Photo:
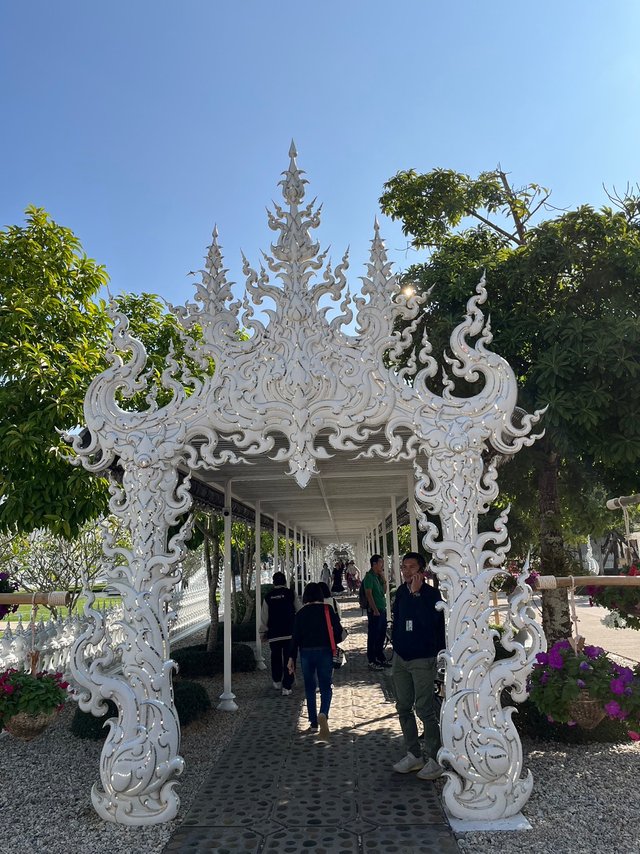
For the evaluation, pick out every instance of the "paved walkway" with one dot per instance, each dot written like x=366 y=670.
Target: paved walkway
x=277 y=789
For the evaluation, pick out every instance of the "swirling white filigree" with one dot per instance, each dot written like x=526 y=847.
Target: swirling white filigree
x=301 y=376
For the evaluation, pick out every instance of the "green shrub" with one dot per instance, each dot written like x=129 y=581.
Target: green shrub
x=86 y=725
x=240 y=632
x=195 y=662
x=191 y=699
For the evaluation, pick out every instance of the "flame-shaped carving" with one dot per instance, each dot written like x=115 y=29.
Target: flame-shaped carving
x=300 y=373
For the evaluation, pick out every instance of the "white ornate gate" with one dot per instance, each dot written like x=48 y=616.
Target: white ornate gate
x=301 y=389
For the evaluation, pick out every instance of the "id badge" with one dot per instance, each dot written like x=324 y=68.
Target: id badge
x=409 y=625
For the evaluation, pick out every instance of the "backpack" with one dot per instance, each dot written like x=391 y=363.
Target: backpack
x=362 y=598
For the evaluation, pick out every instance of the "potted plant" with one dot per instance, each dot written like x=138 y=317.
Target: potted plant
x=29 y=702
x=623 y=602
x=582 y=686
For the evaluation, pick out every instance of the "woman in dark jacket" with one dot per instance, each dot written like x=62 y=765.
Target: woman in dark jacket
x=311 y=637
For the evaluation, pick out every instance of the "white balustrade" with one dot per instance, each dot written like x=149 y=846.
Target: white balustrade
x=54 y=638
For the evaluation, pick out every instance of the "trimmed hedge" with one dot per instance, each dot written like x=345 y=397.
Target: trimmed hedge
x=191 y=699
x=195 y=662
x=240 y=632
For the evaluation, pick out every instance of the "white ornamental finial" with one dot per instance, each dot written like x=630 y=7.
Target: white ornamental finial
x=293 y=183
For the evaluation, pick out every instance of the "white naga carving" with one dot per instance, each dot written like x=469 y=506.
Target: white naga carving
x=301 y=375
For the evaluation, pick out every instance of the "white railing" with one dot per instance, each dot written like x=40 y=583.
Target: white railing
x=54 y=638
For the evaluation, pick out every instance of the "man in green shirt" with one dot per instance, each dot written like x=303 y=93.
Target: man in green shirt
x=375 y=586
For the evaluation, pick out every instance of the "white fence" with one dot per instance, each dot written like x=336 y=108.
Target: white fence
x=54 y=638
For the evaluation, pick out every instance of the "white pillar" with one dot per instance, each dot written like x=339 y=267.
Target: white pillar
x=296 y=581
x=259 y=659
x=385 y=556
x=275 y=542
x=396 y=548
x=287 y=555
x=411 y=503
x=227 y=697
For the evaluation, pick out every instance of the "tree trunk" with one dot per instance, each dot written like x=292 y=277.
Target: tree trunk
x=556 y=620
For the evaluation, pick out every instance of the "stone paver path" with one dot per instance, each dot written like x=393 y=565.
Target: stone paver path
x=278 y=789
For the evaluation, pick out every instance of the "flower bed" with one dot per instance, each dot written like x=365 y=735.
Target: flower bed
x=562 y=677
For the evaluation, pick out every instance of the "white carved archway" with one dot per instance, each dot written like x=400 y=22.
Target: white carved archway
x=302 y=393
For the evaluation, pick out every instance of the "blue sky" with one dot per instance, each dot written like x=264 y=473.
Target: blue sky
x=141 y=124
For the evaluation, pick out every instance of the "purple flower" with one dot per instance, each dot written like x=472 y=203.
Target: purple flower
x=544 y=678
x=612 y=709
x=556 y=660
x=593 y=651
x=542 y=658
x=581 y=683
x=625 y=674
x=617 y=686
x=561 y=644
x=585 y=667
x=550 y=719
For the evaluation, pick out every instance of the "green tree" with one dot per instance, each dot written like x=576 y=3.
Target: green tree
x=52 y=340
x=563 y=297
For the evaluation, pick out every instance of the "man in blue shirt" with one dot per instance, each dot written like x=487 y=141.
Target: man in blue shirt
x=418 y=636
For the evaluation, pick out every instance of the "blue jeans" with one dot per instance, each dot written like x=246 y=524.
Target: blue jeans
x=317 y=660
x=376 y=632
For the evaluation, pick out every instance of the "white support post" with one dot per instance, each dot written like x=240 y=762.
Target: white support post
x=307 y=568
x=275 y=542
x=411 y=503
x=259 y=659
x=385 y=556
x=227 y=697
x=396 y=548
x=296 y=577
x=287 y=553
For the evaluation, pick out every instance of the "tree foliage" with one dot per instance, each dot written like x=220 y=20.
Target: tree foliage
x=52 y=338
x=564 y=301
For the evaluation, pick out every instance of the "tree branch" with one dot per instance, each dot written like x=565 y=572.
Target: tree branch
x=495 y=227
x=522 y=234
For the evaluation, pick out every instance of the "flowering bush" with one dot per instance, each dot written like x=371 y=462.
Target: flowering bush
x=7 y=586
x=21 y=691
x=623 y=602
x=507 y=580
x=560 y=675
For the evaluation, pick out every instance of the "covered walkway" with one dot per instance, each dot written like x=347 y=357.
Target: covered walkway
x=278 y=789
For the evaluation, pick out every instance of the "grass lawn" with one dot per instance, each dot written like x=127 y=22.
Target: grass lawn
x=24 y=611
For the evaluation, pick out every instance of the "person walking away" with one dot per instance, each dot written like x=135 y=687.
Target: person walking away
x=328 y=598
x=374 y=586
x=418 y=635
x=325 y=575
x=312 y=639
x=277 y=616
x=336 y=586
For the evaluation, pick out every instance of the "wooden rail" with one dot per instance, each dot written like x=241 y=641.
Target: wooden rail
x=552 y=582
x=55 y=597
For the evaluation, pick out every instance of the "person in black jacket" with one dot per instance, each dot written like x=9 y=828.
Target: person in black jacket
x=278 y=612
x=311 y=637
x=418 y=636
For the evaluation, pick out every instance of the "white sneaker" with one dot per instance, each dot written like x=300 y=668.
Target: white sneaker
x=286 y=692
x=323 y=723
x=408 y=763
x=431 y=770
x=277 y=685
